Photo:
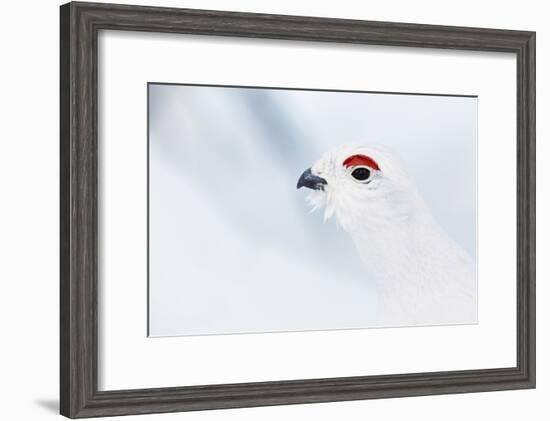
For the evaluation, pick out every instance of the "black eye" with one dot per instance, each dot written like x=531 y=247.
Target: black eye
x=361 y=173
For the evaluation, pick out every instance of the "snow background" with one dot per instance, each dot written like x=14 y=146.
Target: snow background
x=233 y=247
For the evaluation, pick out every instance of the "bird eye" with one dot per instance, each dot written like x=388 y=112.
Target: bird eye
x=361 y=174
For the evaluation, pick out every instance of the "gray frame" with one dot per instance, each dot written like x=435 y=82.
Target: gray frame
x=80 y=23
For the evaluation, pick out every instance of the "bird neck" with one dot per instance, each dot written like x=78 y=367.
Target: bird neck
x=387 y=247
x=409 y=252
x=420 y=274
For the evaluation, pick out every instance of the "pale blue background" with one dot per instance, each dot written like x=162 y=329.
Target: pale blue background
x=233 y=247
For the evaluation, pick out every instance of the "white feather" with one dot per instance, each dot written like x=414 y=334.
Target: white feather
x=422 y=275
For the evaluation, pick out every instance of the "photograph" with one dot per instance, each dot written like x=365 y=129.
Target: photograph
x=276 y=209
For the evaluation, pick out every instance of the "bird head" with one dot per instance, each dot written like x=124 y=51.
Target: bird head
x=360 y=186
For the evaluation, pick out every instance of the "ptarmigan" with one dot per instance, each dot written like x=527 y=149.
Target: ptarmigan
x=422 y=276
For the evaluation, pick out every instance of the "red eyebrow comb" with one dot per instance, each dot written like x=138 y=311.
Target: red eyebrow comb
x=355 y=160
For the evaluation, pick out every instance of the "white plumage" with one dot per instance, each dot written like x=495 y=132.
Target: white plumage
x=422 y=276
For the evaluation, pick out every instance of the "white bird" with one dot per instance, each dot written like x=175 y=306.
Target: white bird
x=422 y=276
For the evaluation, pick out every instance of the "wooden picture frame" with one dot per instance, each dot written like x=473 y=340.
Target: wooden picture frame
x=80 y=23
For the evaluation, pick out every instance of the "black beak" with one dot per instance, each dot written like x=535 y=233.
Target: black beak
x=311 y=181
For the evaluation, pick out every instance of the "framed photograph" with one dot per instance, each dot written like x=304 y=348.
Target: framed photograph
x=265 y=210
